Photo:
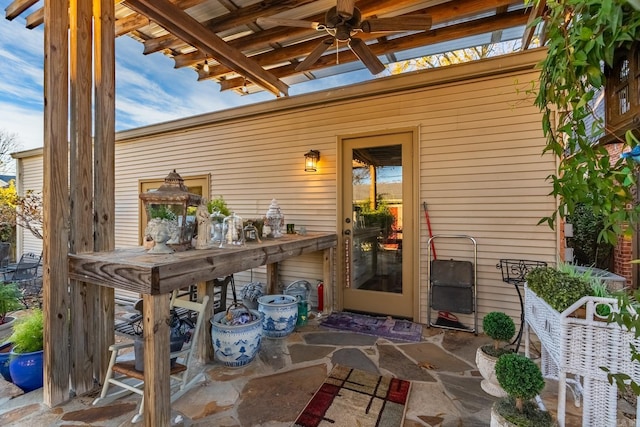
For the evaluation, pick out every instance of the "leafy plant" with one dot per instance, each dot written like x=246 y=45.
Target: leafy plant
x=521 y=378
x=587 y=225
x=28 y=333
x=161 y=212
x=499 y=327
x=9 y=300
x=559 y=289
x=218 y=205
x=582 y=36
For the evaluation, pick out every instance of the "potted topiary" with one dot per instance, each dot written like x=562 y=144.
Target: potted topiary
x=25 y=365
x=9 y=301
x=521 y=378
x=501 y=328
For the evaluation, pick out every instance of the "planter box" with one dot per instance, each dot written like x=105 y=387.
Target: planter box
x=579 y=347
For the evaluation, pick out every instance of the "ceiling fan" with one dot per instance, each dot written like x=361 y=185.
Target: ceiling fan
x=343 y=22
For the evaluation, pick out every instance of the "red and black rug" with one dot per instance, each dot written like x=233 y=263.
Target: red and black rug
x=350 y=397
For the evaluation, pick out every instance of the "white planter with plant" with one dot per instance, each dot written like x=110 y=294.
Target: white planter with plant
x=575 y=349
x=522 y=380
x=501 y=328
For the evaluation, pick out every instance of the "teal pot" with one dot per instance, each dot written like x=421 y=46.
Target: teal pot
x=280 y=315
x=27 y=370
x=237 y=341
x=5 y=353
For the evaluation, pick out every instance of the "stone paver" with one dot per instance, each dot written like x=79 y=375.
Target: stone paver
x=273 y=389
x=354 y=358
x=279 y=397
x=340 y=339
x=428 y=354
x=393 y=360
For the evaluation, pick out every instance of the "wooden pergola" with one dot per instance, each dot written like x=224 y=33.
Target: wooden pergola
x=221 y=40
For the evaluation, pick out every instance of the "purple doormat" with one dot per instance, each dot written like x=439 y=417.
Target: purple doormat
x=386 y=327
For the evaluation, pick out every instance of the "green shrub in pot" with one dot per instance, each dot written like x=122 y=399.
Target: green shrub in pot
x=521 y=378
x=499 y=327
x=9 y=300
x=28 y=333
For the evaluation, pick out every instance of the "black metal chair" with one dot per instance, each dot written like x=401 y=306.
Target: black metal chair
x=26 y=275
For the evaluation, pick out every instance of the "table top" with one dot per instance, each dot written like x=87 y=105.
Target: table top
x=134 y=269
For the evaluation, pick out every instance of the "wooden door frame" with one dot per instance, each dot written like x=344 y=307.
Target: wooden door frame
x=415 y=197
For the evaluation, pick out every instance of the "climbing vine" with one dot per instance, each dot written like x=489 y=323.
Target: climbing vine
x=581 y=38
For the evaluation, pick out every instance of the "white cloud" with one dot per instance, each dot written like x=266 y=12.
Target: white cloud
x=26 y=123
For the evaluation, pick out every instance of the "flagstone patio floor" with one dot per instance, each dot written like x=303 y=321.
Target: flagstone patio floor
x=276 y=386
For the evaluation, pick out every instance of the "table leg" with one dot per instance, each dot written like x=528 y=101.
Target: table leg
x=205 y=346
x=272 y=278
x=157 y=394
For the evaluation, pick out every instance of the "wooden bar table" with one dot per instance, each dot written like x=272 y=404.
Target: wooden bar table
x=156 y=276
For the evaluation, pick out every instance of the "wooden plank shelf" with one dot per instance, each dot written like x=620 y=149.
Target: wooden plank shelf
x=133 y=269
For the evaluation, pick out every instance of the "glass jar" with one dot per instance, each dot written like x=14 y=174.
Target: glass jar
x=232 y=231
x=251 y=233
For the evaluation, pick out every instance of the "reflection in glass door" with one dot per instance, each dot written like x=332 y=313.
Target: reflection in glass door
x=376 y=188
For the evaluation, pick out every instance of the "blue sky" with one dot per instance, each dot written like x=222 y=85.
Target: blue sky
x=148 y=89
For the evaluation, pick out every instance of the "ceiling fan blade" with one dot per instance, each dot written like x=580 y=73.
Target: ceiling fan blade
x=315 y=54
x=397 y=23
x=345 y=8
x=282 y=22
x=368 y=58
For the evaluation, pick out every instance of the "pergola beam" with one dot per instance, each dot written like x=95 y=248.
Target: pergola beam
x=465 y=29
x=191 y=31
x=17 y=7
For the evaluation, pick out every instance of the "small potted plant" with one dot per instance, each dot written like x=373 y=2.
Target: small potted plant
x=9 y=301
x=501 y=328
x=25 y=366
x=521 y=378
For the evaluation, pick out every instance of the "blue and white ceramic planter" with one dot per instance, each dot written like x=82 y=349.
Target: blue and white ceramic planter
x=280 y=314
x=236 y=345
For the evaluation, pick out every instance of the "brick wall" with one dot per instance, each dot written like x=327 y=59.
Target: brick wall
x=623 y=252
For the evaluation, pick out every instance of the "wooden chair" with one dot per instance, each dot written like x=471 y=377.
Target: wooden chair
x=122 y=373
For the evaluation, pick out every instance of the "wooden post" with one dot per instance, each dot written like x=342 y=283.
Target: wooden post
x=56 y=202
x=205 y=345
x=81 y=231
x=157 y=393
x=328 y=258
x=272 y=278
x=104 y=171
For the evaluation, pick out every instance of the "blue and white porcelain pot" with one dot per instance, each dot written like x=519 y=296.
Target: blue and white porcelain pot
x=236 y=335
x=280 y=314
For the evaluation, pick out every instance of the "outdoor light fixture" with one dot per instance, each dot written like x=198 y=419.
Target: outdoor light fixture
x=311 y=161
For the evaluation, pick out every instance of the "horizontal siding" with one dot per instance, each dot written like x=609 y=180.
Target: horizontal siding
x=480 y=171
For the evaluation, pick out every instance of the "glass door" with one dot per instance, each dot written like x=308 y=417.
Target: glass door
x=377 y=224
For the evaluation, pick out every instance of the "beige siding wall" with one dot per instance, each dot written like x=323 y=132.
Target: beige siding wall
x=480 y=170
x=29 y=179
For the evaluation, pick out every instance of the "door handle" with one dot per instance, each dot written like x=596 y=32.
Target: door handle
x=347 y=261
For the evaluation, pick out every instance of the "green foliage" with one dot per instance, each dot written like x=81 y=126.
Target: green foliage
x=558 y=288
x=586 y=228
x=581 y=37
x=9 y=300
x=530 y=416
x=218 y=205
x=161 y=212
x=381 y=216
x=8 y=201
x=28 y=333
x=519 y=376
x=498 y=326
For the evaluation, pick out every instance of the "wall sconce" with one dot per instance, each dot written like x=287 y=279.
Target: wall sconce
x=311 y=161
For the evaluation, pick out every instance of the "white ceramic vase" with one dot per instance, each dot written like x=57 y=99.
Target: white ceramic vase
x=487 y=366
